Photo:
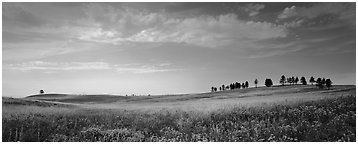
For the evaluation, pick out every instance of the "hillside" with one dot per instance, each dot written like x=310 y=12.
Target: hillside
x=68 y=98
x=203 y=101
x=6 y=101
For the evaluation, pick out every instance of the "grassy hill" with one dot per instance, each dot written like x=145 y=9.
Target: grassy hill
x=6 y=101
x=68 y=98
x=202 y=101
x=281 y=113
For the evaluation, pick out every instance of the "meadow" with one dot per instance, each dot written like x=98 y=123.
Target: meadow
x=294 y=114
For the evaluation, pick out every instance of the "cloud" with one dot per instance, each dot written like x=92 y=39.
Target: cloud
x=104 y=23
x=53 y=67
x=16 y=14
x=118 y=25
x=252 y=9
x=344 y=11
x=288 y=12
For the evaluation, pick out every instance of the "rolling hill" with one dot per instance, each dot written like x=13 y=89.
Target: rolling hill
x=202 y=101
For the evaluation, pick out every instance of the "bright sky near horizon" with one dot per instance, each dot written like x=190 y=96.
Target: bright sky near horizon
x=168 y=48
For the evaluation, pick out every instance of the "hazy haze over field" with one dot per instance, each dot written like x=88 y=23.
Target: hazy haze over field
x=165 y=48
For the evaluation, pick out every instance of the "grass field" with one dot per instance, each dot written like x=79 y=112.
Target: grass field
x=289 y=113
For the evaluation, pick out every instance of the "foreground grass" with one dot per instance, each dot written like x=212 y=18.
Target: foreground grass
x=325 y=120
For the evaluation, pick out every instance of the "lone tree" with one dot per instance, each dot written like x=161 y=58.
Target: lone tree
x=312 y=80
x=223 y=87
x=282 y=80
x=268 y=83
x=303 y=81
x=328 y=83
x=42 y=91
x=256 y=82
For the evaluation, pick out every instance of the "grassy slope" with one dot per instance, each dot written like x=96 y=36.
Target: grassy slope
x=239 y=93
x=329 y=116
x=7 y=101
x=322 y=120
x=203 y=101
x=68 y=98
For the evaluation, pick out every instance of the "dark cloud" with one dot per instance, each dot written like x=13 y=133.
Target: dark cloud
x=16 y=15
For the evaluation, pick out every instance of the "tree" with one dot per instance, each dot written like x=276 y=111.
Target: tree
x=323 y=81
x=319 y=80
x=215 y=89
x=289 y=80
x=256 y=82
x=243 y=85
x=328 y=83
x=212 y=89
x=220 y=88
x=296 y=80
x=223 y=87
x=319 y=83
x=268 y=83
x=282 y=80
x=246 y=84
x=303 y=81
x=312 y=80
x=42 y=91
x=293 y=80
x=239 y=86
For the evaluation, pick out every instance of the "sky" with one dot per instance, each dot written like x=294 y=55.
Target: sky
x=171 y=48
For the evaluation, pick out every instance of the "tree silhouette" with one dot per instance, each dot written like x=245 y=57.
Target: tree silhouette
x=220 y=88
x=215 y=89
x=246 y=84
x=289 y=80
x=223 y=87
x=42 y=91
x=256 y=82
x=282 y=80
x=239 y=86
x=323 y=81
x=243 y=85
x=303 y=81
x=293 y=80
x=212 y=89
x=312 y=80
x=296 y=80
x=328 y=83
x=268 y=83
x=319 y=83
x=319 y=80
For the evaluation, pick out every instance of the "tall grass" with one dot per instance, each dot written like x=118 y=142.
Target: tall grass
x=324 y=120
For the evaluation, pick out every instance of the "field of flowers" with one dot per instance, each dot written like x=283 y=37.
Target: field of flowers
x=324 y=120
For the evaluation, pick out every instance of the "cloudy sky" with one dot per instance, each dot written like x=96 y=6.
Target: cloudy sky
x=167 y=48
